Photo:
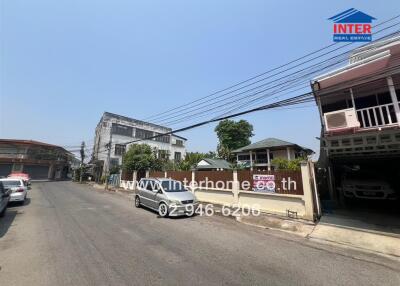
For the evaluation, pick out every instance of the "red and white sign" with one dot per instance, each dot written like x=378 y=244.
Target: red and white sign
x=264 y=183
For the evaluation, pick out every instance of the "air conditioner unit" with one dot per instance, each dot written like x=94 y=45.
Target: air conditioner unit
x=341 y=119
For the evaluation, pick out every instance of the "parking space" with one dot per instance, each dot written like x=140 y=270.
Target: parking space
x=368 y=189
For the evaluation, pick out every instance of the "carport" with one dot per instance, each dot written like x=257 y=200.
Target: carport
x=367 y=175
x=373 y=223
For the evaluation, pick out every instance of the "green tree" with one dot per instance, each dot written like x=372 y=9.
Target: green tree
x=232 y=135
x=114 y=170
x=190 y=161
x=284 y=164
x=141 y=157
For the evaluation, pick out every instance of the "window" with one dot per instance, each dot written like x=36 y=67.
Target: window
x=164 y=138
x=114 y=162
x=177 y=156
x=244 y=157
x=120 y=129
x=151 y=185
x=261 y=156
x=143 y=134
x=142 y=184
x=299 y=154
x=396 y=82
x=366 y=101
x=12 y=184
x=163 y=154
x=371 y=94
x=179 y=142
x=384 y=98
x=119 y=150
x=337 y=100
x=172 y=186
x=339 y=105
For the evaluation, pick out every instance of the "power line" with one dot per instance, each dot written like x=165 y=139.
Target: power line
x=192 y=115
x=296 y=100
x=184 y=106
x=295 y=73
x=201 y=114
x=307 y=97
x=250 y=102
x=303 y=98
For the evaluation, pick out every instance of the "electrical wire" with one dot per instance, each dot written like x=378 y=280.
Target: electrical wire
x=185 y=106
x=299 y=74
x=302 y=76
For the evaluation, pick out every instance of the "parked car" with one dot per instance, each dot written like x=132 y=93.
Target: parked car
x=4 y=198
x=19 y=175
x=372 y=189
x=18 y=187
x=168 y=197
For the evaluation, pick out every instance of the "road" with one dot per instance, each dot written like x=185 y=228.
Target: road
x=71 y=234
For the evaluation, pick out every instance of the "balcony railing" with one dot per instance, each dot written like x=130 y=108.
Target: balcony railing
x=377 y=116
x=261 y=161
x=255 y=162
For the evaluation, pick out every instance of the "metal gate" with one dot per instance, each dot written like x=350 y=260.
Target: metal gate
x=37 y=171
x=5 y=170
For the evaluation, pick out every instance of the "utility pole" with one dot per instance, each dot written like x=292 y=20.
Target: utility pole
x=109 y=145
x=82 y=152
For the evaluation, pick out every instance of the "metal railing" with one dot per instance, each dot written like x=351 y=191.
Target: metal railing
x=258 y=161
x=377 y=116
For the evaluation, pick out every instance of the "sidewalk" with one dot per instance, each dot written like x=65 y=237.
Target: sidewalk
x=357 y=234
x=112 y=189
x=270 y=221
x=335 y=230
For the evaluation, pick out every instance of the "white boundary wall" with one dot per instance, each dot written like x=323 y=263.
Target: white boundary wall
x=273 y=203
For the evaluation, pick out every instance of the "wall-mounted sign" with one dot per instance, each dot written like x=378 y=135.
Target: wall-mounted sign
x=264 y=183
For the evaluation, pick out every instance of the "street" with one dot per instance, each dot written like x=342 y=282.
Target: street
x=71 y=234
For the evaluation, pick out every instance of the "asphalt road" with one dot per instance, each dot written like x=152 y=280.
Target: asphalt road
x=70 y=234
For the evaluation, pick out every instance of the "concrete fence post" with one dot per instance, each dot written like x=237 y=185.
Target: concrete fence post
x=147 y=173
x=307 y=189
x=134 y=179
x=193 y=180
x=235 y=187
x=165 y=174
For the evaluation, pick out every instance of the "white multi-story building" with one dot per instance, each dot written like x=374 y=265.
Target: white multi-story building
x=120 y=130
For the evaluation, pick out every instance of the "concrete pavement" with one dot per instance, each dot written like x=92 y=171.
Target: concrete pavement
x=70 y=234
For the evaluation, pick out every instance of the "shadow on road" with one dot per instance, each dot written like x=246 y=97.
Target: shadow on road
x=13 y=205
x=6 y=221
x=169 y=217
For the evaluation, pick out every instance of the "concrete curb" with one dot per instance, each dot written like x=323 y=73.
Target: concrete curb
x=363 y=241
x=266 y=221
x=377 y=243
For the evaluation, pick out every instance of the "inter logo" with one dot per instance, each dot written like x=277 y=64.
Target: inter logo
x=352 y=26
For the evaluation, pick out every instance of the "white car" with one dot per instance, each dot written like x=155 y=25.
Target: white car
x=368 y=189
x=18 y=187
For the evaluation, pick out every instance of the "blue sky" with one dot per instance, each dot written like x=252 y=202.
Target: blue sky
x=63 y=63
